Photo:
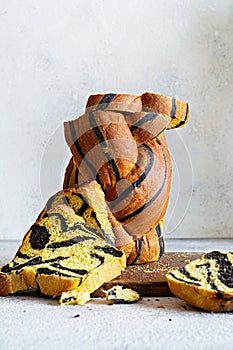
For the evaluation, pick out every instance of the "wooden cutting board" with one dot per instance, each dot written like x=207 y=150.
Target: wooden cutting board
x=150 y=279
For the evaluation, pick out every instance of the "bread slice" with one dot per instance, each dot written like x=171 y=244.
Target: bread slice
x=88 y=202
x=62 y=256
x=206 y=283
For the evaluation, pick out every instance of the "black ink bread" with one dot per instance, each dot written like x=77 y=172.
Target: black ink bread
x=206 y=283
x=62 y=256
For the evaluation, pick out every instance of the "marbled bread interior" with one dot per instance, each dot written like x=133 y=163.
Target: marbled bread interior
x=62 y=254
x=206 y=283
x=88 y=202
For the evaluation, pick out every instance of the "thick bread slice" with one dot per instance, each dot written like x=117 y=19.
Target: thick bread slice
x=61 y=253
x=206 y=283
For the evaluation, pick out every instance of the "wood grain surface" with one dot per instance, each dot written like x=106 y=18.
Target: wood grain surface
x=150 y=279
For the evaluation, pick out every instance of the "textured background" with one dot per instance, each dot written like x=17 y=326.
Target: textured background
x=55 y=53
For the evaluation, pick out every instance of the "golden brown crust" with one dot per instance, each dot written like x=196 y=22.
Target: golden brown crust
x=122 y=237
x=114 y=102
x=206 y=283
x=145 y=126
x=156 y=185
x=177 y=110
x=200 y=297
x=146 y=204
x=68 y=174
x=101 y=151
x=53 y=258
x=157 y=103
x=73 y=176
x=147 y=249
x=137 y=188
x=150 y=247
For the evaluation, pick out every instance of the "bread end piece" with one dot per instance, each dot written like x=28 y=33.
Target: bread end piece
x=199 y=297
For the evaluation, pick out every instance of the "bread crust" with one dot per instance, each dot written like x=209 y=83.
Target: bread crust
x=114 y=102
x=200 y=297
x=158 y=181
x=177 y=110
x=145 y=126
x=147 y=249
x=103 y=145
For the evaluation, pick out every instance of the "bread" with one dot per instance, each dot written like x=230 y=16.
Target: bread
x=206 y=283
x=114 y=102
x=88 y=202
x=103 y=147
x=120 y=295
x=120 y=143
x=149 y=248
x=145 y=126
x=177 y=110
x=143 y=195
x=116 y=192
x=62 y=256
x=150 y=242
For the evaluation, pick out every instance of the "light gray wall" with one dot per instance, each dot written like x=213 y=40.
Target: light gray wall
x=54 y=53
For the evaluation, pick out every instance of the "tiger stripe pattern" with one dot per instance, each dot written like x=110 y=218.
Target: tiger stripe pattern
x=119 y=141
x=81 y=201
x=206 y=283
x=54 y=260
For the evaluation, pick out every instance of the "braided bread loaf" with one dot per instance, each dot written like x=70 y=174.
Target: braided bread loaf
x=119 y=141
